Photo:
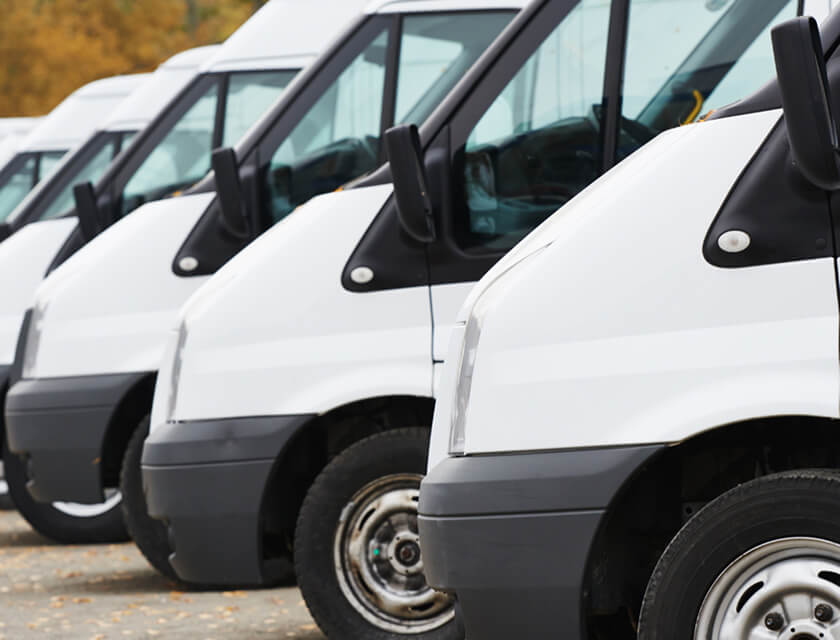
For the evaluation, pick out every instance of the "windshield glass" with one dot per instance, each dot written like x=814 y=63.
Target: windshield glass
x=21 y=174
x=182 y=157
x=339 y=138
x=88 y=165
x=541 y=141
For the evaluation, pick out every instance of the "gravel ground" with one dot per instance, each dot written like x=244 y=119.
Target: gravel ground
x=104 y=592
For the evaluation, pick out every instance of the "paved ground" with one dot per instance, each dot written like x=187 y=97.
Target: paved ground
x=108 y=591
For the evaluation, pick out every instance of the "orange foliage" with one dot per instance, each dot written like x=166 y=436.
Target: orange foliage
x=48 y=48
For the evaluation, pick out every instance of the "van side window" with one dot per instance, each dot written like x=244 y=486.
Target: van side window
x=539 y=143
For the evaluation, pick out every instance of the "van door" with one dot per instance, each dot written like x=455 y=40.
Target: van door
x=603 y=82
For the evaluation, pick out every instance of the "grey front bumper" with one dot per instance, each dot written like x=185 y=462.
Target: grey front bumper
x=59 y=426
x=206 y=480
x=510 y=535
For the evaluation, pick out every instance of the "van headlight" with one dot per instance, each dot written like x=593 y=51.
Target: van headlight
x=32 y=340
x=463 y=385
x=175 y=375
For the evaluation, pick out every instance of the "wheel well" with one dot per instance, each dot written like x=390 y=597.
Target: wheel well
x=134 y=406
x=320 y=440
x=654 y=504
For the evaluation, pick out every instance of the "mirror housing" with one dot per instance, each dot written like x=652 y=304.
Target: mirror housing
x=87 y=210
x=414 y=205
x=806 y=100
x=229 y=190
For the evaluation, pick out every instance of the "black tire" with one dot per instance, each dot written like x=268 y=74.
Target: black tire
x=148 y=534
x=797 y=504
x=402 y=451
x=54 y=524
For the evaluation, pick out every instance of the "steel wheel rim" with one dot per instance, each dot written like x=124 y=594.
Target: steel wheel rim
x=378 y=561
x=76 y=510
x=787 y=588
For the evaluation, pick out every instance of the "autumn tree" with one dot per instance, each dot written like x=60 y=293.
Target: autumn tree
x=48 y=48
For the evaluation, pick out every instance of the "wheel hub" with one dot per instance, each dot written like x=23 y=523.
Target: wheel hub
x=379 y=562
x=787 y=589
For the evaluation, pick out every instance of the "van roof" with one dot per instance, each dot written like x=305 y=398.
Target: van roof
x=146 y=101
x=72 y=121
x=285 y=34
x=12 y=126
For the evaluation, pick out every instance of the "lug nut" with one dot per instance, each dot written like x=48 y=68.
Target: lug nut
x=823 y=613
x=774 y=621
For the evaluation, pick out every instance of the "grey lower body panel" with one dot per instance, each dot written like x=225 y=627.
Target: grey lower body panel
x=510 y=535
x=206 y=480
x=59 y=426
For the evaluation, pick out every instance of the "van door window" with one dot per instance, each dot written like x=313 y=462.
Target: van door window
x=539 y=143
x=47 y=163
x=339 y=138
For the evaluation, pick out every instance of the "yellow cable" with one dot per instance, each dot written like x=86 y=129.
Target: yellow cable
x=699 y=100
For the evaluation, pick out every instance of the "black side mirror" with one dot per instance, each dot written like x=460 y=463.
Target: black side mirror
x=414 y=206
x=229 y=190
x=87 y=211
x=806 y=99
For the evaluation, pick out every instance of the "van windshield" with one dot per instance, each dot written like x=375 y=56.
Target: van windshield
x=21 y=174
x=339 y=137
x=87 y=165
x=219 y=113
x=541 y=141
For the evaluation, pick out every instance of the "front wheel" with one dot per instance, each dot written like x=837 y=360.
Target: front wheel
x=65 y=522
x=357 y=551
x=149 y=535
x=761 y=561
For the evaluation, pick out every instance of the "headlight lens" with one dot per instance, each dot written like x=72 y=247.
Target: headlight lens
x=463 y=387
x=175 y=376
x=33 y=338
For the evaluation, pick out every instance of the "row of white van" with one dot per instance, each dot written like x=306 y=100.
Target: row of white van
x=243 y=378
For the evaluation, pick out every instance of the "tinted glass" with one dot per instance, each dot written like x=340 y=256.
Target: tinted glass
x=17 y=183
x=89 y=171
x=49 y=161
x=435 y=52
x=539 y=142
x=339 y=138
x=181 y=159
x=685 y=57
x=249 y=96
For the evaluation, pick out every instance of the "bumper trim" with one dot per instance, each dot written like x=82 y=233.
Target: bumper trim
x=511 y=534
x=60 y=425
x=206 y=480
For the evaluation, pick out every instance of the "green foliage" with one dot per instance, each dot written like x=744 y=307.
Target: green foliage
x=48 y=48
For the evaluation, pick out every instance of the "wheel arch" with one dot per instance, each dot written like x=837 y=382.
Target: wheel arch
x=135 y=404
x=314 y=444
x=663 y=494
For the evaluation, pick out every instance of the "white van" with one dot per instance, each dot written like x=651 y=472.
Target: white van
x=293 y=404
x=120 y=295
x=638 y=430
x=234 y=87
x=26 y=158
x=66 y=126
